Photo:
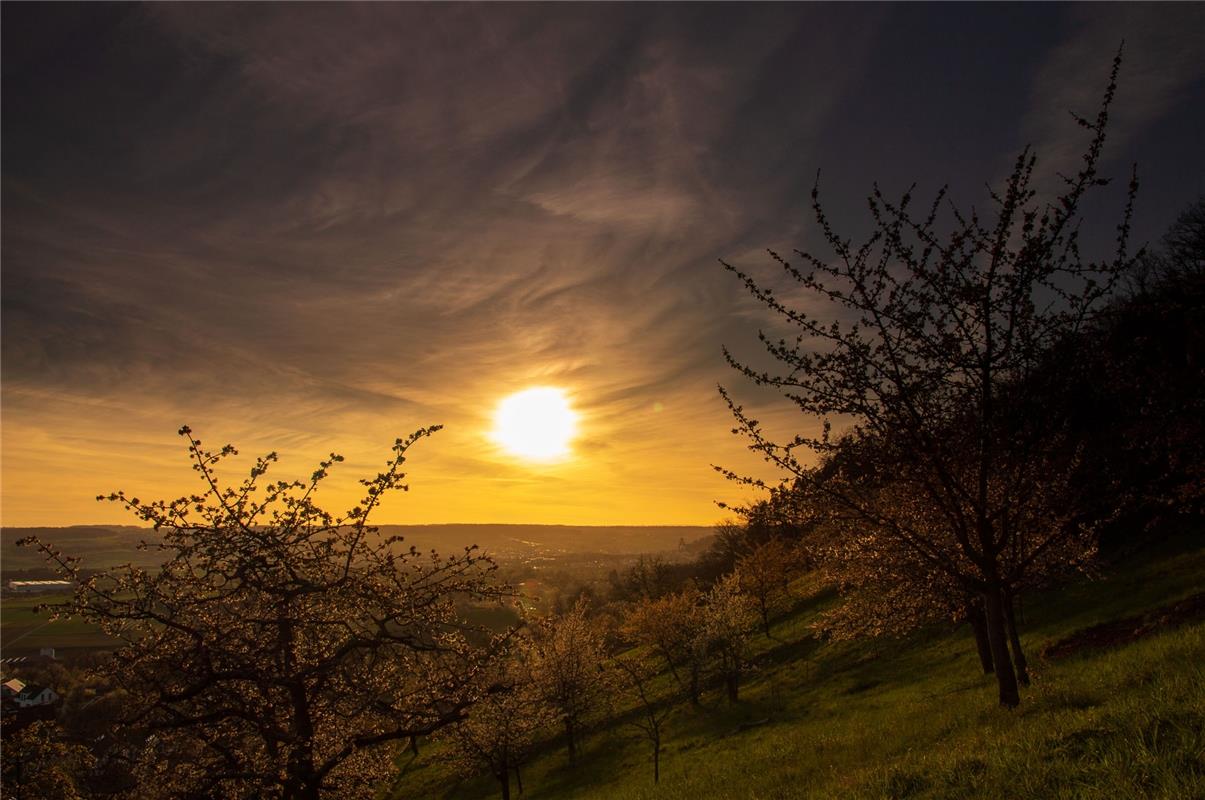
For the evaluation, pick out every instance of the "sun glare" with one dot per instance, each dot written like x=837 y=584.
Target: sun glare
x=536 y=424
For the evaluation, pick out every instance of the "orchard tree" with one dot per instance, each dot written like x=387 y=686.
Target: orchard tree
x=635 y=673
x=673 y=628
x=887 y=590
x=729 y=620
x=567 y=656
x=765 y=576
x=500 y=729
x=280 y=650
x=929 y=340
x=38 y=762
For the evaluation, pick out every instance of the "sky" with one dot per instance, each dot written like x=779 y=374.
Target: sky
x=317 y=227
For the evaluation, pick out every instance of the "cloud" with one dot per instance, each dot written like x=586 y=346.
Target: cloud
x=319 y=226
x=1164 y=63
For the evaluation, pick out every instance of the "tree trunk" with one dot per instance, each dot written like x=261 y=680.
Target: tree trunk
x=657 y=759
x=732 y=681
x=694 y=684
x=672 y=667
x=518 y=779
x=303 y=782
x=1006 y=679
x=503 y=774
x=978 y=623
x=1014 y=640
x=570 y=742
x=301 y=789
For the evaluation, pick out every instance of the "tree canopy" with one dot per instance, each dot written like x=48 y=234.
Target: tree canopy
x=281 y=650
x=929 y=340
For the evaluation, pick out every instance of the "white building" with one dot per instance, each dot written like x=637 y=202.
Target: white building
x=26 y=695
x=39 y=586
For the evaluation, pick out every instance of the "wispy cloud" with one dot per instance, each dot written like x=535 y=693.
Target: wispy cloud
x=318 y=226
x=1163 y=68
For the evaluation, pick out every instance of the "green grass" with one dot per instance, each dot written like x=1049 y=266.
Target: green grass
x=914 y=718
x=23 y=631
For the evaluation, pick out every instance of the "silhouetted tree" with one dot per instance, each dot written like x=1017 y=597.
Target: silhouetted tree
x=935 y=337
x=887 y=590
x=650 y=576
x=1141 y=394
x=730 y=543
x=281 y=650
x=1180 y=258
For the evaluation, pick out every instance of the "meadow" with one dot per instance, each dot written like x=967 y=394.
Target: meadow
x=914 y=717
x=885 y=718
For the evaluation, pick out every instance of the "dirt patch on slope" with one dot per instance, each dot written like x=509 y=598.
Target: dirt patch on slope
x=1130 y=629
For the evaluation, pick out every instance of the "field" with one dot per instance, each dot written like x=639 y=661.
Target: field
x=522 y=549
x=914 y=718
x=23 y=632
x=104 y=546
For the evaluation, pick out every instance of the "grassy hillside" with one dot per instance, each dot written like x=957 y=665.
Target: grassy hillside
x=914 y=718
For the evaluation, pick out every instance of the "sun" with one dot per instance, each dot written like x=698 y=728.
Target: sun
x=536 y=424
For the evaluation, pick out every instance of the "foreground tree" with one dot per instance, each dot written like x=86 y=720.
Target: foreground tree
x=280 y=650
x=887 y=590
x=938 y=335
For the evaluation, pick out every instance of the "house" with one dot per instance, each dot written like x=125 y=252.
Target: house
x=11 y=688
x=34 y=695
x=27 y=695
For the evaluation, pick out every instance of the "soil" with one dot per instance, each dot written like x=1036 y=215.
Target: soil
x=1124 y=631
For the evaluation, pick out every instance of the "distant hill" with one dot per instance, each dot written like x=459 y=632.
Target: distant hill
x=504 y=540
x=102 y=546
x=99 y=546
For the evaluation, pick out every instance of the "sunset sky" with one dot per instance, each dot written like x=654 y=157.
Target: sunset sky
x=318 y=227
